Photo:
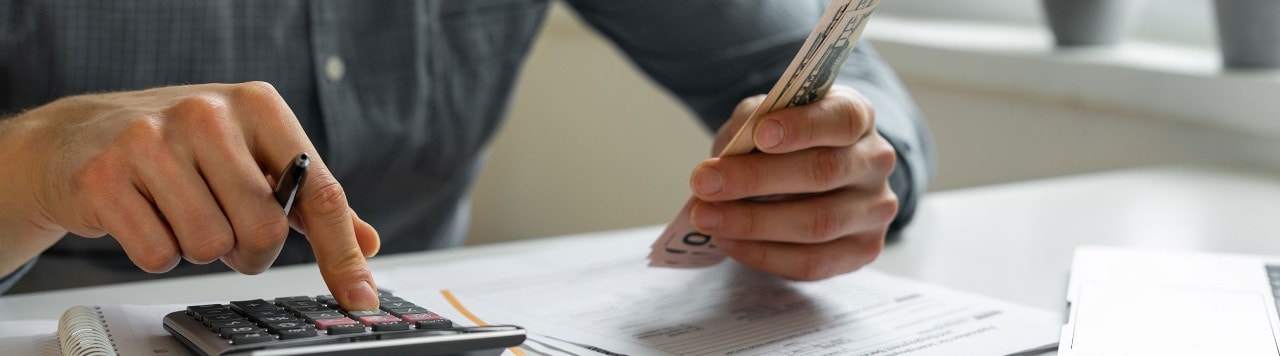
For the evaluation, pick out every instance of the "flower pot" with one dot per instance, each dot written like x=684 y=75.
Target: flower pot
x=1249 y=33
x=1091 y=22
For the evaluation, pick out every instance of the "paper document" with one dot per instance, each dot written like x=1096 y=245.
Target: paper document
x=588 y=298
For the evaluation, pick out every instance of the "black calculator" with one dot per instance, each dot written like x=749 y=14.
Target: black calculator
x=305 y=325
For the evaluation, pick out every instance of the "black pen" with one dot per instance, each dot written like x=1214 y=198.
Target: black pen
x=291 y=180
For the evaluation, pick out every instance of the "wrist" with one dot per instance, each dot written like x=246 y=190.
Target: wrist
x=25 y=229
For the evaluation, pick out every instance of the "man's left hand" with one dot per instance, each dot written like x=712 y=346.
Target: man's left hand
x=820 y=199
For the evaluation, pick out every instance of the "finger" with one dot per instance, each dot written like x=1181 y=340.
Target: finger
x=242 y=193
x=136 y=225
x=258 y=221
x=366 y=235
x=805 y=262
x=810 y=220
x=185 y=202
x=730 y=128
x=323 y=208
x=808 y=171
x=839 y=119
x=276 y=137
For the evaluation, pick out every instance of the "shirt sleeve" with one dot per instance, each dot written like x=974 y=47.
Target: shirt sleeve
x=713 y=54
x=8 y=281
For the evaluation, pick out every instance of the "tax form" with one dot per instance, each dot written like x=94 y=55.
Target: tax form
x=590 y=301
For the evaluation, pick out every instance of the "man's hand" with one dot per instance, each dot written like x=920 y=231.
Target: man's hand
x=821 y=198
x=176 y=172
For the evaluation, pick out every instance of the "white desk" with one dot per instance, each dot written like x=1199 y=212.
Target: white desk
x=1011 y=241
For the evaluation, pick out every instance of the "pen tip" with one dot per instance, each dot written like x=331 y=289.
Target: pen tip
x=303 y=160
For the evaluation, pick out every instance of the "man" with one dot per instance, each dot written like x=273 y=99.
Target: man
x=397 y=101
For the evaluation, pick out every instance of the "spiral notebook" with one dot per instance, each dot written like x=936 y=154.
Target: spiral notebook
x=121 y=329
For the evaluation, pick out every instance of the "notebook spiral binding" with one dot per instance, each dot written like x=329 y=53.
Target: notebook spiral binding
x=82 y=331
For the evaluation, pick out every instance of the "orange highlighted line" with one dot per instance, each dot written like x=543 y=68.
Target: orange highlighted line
x=474 y=319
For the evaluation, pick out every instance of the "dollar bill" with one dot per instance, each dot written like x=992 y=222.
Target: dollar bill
x=807 y=79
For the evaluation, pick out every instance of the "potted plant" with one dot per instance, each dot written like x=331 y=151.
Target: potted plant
x=1249 y=33
x=1090 y=22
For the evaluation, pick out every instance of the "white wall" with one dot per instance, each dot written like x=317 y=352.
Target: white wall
x=591 y=144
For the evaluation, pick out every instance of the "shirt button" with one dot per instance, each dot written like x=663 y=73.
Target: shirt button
x=334 y=68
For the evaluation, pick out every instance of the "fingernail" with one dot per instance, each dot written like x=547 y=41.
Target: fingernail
x=708 y=180
x=706 y=217
x=770 y=134
x=362 y=297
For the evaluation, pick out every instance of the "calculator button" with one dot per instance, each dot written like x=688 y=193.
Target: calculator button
x=201 y=314
x=369 y=320
x=218 y=325
x=357 y=314
x=251 y=338
x=345 y=329
x=229 y=331
x=252 y=305
x=195 y=309
x=416 y=317
x=390 y=299
x=274 y=327
x=390 y=326
x=287 y=334
x=390 y=305
x=309 y=309
x=408 y=310
x=435 y=324
x=208 y=321
x=278 y=319
x=259 y=314
x=280 y=301
x=323 y=324
x=301 y=304
x=312 y=316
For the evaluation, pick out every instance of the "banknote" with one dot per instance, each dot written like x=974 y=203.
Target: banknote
x=807 y=79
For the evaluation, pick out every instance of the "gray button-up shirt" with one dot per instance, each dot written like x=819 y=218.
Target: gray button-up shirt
x=402 y=97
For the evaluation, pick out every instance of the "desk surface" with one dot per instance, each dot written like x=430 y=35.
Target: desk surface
x=1011 y=241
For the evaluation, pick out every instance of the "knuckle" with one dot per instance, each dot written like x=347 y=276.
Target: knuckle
x=829 y=167
x=155 y=259
x=207 y=248
x=205 y=238
x=207 y=114
x=884 y=210
x=883 y=159
x=744 y=221
x=96 y=178
x=143 y=128
x=327 y=200
x=750 y=176
x=811 y=267
x=350 y=267
x=825 y=223
x=256 y=92
x=265 y=234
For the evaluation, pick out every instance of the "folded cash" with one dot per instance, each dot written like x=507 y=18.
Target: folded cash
x=806 y=80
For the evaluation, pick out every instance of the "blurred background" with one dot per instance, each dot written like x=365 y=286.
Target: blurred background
x=592 y=144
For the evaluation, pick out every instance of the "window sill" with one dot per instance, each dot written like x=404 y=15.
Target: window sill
x=1160 y=80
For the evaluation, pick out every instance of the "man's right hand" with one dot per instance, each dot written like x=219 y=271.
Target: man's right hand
x=176 y=172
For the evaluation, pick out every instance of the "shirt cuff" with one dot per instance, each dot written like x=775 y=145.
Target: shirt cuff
x=8 y=281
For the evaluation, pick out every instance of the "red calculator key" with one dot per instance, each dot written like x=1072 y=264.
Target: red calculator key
x=416 y=317
x=323 y=324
